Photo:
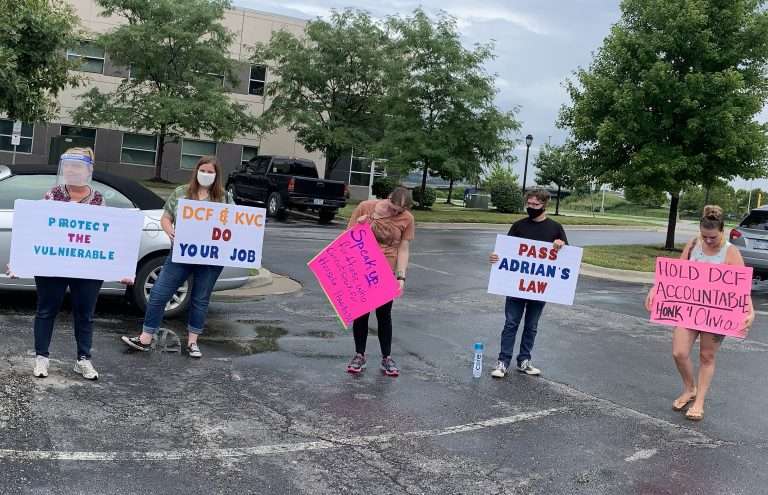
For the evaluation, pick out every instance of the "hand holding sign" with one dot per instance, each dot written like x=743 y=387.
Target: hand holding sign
x=354 y=274
x=710 y=297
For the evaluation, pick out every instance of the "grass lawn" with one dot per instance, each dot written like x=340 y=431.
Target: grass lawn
x=444 y=213
x=632 y=257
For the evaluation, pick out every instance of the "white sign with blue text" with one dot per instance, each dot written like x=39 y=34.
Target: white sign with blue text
x=534 y=270
x=58 y=239
x=218 y=234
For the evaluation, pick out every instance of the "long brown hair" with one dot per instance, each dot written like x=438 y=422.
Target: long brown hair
x=216 y=192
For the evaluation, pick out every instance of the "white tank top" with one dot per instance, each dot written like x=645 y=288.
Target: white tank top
x=697 y=254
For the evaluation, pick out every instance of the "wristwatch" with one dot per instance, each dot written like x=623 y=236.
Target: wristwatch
x=401 y=276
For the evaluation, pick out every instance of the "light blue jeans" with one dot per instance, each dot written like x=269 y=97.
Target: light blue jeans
x=172 y=276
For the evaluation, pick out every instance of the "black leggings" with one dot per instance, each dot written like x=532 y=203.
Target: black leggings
x=360 y=330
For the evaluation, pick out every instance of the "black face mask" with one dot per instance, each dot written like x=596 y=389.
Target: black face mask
x=534 y=212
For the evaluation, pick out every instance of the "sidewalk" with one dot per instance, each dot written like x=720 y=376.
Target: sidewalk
x=265 y=283
x=629 y=276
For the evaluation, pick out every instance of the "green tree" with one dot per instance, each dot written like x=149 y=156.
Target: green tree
x=694 y=198
x=34 y=34
x=557 y=165
x=644 y=195
x=328 y=87
x=441 y=109
x=177 y=53
x=671 y=96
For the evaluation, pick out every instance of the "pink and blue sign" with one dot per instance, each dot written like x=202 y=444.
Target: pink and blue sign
x=354 y=274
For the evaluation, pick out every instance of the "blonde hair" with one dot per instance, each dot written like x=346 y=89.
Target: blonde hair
x=82 y=151
x=711 y=219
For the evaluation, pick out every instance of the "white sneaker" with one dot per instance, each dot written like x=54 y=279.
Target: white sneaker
x=85 y=368
x=500 y=371
x=527 y=368
x=41 y=367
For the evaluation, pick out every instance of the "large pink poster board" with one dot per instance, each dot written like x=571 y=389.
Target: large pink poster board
x=354 y=274
x=701 y=296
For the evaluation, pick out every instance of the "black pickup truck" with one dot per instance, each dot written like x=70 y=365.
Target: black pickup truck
x=282 y=183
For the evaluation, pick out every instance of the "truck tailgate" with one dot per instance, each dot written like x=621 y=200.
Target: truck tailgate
x=319 y=188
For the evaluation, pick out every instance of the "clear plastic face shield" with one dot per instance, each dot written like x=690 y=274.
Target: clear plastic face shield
x=75 y=170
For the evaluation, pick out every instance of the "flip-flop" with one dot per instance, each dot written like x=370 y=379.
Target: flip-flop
x=683 y=405
x=694 y=416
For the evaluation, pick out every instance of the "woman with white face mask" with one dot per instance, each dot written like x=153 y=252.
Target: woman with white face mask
x=204 y=185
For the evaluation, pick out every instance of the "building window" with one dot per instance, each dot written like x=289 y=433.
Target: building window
x=79 y=132
x=89 y=56
x=192 y=151
x=258 y=78
x=6 y=131
x=249 y=153
x=138 y=149
x=360 y=171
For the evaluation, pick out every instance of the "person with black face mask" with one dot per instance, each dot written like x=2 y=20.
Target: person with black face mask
x=537 y=227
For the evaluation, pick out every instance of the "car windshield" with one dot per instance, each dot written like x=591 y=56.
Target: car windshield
x=304 y=170
x=35 y=186
x=757 y=220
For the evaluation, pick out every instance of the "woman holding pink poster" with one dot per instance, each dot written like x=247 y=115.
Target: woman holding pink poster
x=710 y=246
x=394 y=227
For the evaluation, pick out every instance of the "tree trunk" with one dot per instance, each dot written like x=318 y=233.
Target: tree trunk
x=450 y=191
x=672 y=224
x=424 y=179
x=557 y=203
x=160 y=153
x=332 y=155
x=706 y=196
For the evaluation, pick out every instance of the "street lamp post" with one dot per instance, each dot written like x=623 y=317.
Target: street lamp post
x=528 y=141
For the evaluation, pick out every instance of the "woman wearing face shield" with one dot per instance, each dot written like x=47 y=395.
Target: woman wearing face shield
x=204 y=185
x=73 y=185
x=710 y=246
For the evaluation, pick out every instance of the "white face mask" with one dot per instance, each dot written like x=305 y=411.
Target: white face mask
x=205 y=179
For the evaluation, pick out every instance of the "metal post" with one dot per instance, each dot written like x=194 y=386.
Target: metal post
x=370 y=181
x=525 y=172
x=602 y=205
x=13 y=157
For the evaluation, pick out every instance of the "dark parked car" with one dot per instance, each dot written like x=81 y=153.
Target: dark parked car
x=282 y=183
x=119 y=192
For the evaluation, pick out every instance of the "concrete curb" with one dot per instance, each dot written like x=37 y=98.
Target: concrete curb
x=505 y=227
x=613 y=274
x=264 y=284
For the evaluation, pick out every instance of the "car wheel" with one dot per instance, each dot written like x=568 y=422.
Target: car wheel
x=146 y=277
x=326 y=216
x=275 y=206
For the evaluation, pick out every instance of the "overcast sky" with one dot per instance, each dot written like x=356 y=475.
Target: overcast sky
x=539 y=43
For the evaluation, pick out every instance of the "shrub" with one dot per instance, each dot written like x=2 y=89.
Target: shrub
x=506 y=195
x=428 y=200
x=383 y=186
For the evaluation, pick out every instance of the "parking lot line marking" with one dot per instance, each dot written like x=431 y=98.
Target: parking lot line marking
x=430 y=269
x=265 y=450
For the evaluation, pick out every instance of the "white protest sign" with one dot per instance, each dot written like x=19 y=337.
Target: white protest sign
x=58 y=239
x=533 y=270
x=218 y=234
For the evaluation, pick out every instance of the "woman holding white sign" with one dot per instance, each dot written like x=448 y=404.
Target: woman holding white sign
x=204 y=185
x=394 y=227
x=73 y=184
x=710 y=246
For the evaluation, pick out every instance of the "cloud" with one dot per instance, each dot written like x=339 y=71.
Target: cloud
x=467 y=16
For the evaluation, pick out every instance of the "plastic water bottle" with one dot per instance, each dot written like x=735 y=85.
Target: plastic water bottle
x=477 y=365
